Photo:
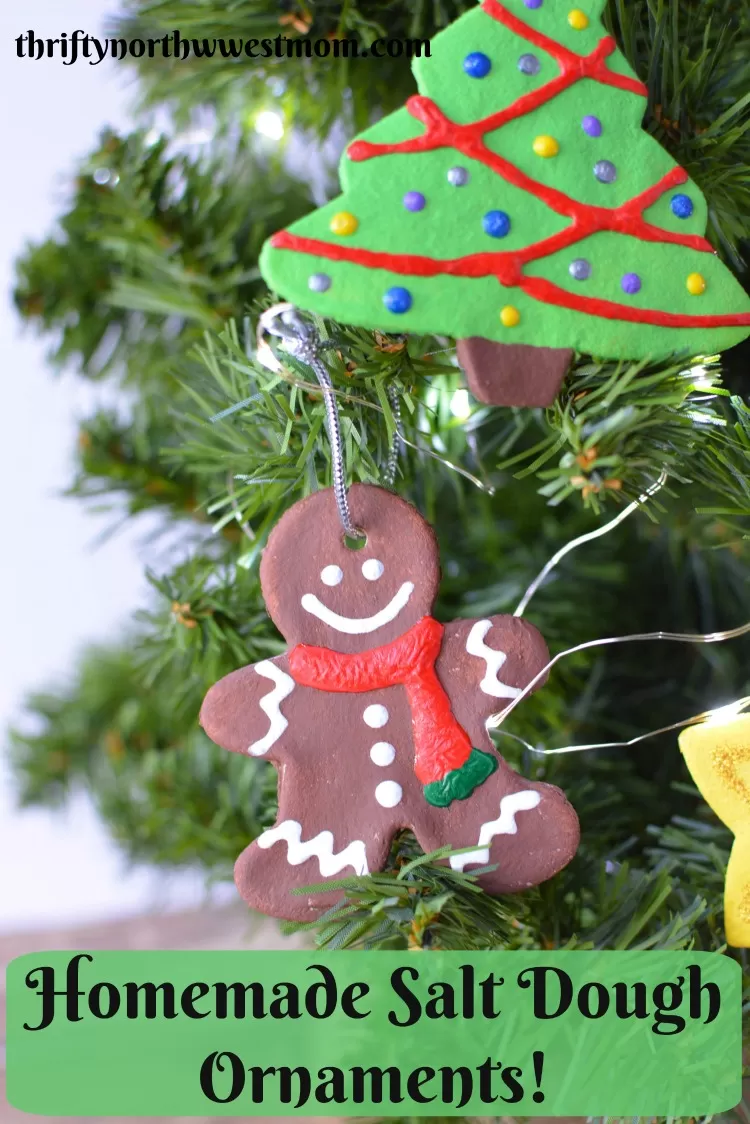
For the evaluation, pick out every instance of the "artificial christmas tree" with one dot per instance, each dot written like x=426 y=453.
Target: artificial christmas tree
x=218 y=447
x=516 y=203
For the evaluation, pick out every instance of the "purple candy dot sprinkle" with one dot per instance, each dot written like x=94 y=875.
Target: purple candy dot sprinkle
x=415 y=201
x=631 y=284
x=592 y=126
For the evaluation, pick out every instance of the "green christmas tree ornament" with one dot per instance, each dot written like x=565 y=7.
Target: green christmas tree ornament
x=516 y=204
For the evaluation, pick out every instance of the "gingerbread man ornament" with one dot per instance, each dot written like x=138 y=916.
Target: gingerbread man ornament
x=376 y=715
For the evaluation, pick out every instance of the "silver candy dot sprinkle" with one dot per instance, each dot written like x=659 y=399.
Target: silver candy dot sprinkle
x=529 y=64
x=580 y=269
x=459 y=177
x=319 y=283
x=605 y=171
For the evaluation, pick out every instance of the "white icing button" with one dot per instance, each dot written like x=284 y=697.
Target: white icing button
x=332 y=575
x=373 y=569
x=383 y=753
x=376 y=716
x=388 y=794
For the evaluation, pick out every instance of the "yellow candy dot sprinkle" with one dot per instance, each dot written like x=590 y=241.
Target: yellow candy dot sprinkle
x=546 y=146
x=696 y=284
x=344 y=223
x=578 y=20
x=510 y=316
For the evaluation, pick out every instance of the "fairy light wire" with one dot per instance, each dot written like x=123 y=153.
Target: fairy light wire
x=677 y=637
x=597 y=534
x=707 y=717
x=716 y=714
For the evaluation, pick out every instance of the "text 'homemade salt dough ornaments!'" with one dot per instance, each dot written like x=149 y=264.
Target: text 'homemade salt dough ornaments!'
x=376 y=715
x=517 y=204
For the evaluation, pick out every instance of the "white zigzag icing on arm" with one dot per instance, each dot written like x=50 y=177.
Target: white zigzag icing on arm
x=494 y=660
x=271 y=704
x=321 y=848
x=505 y=824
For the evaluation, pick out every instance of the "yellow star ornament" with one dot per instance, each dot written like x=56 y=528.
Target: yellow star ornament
x=718 y=758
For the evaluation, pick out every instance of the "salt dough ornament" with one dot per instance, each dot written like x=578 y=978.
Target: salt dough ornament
x=517 y=205
x=718 y=758
x=375 y=716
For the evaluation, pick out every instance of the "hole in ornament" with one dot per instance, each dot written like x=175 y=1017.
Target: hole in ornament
x=352 y=543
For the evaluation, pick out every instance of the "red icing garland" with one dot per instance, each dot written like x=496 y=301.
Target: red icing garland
x=440 y=743
x=506 y=265
x=587 y=219
x=546 y=291
x=568 y=61
x=589 y=67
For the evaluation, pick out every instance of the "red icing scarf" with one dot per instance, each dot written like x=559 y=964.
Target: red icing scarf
x=440 y=744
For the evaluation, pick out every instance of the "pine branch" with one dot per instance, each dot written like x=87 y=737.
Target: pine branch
x=155 y=247
x=166 y=793
x=615 y=429
x=310 y=96
x=610 y=435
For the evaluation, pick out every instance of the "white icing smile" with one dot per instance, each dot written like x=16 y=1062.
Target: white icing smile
x=356 y=626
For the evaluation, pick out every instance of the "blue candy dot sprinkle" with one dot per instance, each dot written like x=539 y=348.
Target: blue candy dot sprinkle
x=533 y=4
x=529 y=64
x=477 y=65
x=682 y=206
x=496 y=224
x=415 y=201
x=319 y=283
x=631 y=284
x=398 y=300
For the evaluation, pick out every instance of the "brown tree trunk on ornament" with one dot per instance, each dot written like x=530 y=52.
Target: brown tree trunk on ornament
x=503 y=374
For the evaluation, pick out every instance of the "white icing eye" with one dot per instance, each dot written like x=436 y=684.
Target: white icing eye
x=332 y=575
x=373 y=569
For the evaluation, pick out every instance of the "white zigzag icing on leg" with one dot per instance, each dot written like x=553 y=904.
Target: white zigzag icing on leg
x=476 y=646
x=321 y=848
x=271 y=704
x=505 y=824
